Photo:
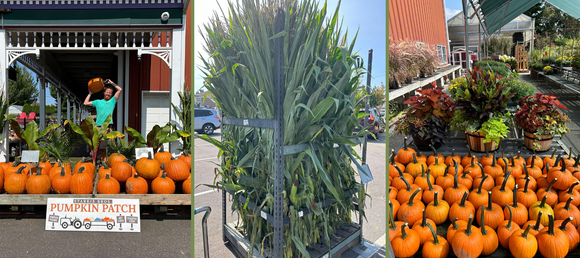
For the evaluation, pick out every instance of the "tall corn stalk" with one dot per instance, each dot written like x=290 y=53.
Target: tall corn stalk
x=321 y=83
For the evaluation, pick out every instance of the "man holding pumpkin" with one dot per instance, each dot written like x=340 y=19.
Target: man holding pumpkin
x=105 y=106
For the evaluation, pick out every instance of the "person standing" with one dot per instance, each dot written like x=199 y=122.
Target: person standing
x=105 y=106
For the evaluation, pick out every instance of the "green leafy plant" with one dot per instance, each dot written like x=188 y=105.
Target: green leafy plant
x=60 y=143
x=123 y=146
x=184 y=114
x=31 y=135
x=428 y=117
x=157 y=136
x=481 y=96
x=92 y=135
x=4 y=118
x=539 y=114
x=495 y=66
x=520 y=88
x=494 y=129
x=515 y=75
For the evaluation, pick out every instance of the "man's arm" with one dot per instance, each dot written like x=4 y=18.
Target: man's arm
x=88 y=100
x=117 y=87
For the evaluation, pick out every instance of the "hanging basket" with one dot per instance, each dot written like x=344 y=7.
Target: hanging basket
x=545 y=143
x=475 y=143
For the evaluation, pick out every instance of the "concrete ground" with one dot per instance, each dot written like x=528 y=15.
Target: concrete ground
x=374 y=230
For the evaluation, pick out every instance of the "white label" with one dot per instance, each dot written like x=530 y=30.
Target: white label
x=93 y=214
x=264 y=215
x=143 y=152
x=30 y=156
x=300 y=214
x=246 y=122
x=325 y=256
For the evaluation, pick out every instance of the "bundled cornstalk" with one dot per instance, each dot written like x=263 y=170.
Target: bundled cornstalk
x=321 y=82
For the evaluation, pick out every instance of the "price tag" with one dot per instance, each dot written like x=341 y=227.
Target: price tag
x=30 y=156
x=143 y=152
x=264 y=215
x=246 y=122
x=300 y=214
x=365 y=174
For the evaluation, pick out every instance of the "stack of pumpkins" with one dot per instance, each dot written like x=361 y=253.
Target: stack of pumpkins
x=523 y=205
x=158 y=175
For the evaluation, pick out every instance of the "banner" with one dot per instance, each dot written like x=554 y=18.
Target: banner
x=91 y=214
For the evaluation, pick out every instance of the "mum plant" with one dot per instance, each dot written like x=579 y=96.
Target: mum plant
x=428 y=118
x=481 y=101
x=548 y=70
x=539 y=115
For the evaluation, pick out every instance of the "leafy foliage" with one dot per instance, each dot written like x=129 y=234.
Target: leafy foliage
x=24 y=90
x=157 y=136
x=539 y=114
x=92 y=135
x=4 y=118
x=407 y=59
x=497 y=67
x=520 y=88
x=184 y=114
x=61 y=143
x=31 y=134
x=429 y=115
x=494 y=129
x=124 y=147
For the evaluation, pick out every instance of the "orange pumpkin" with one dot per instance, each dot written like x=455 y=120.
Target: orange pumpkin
x=15 y=183
x=148 y=167
x=163 y=185
x=187 y=185
x=38 y=184
x=185 y=157
x=122 y=171
x=108 y=185
x=137 y=185
x=81 y=183
x=405 y=155
x=114 y=158
x=177 y=170
x=61 y=183
x=163 y=156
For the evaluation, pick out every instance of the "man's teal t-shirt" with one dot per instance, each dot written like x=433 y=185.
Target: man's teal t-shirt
x=104 y=109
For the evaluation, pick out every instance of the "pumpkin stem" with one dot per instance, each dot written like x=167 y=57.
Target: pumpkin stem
x=403 y=232
x=502 y=153
x=465 y=174
x=163 y=168
x=549 y=189
x=415 y=158
x=61 y=171
x=493 y=161
x=435 y=237
x=543 y=201
x=489 y=206
x=37 y=170
x=486 y=152
x=105 y=165
x=149 y=157
x=137 y=176
x=481 y=184
x=165 y=174
x=577 y=163
x=392 y=226
x=422 y=171
x=469 y=223
x=567 y=206
x=480 y=167
x=526 y=232
x=571 y=189
x=446 y=170
x=468 y=151
x=505 y=179
x=396 y=167
x=402 y=178
x=44 y=159
x=483 y=231
x=564 y=223
x=405 y=144
x=509 y=225
x=570 y=157
x=19 y=171
x=515 y=196
x=558 y=159
x=505 y=161
x=424 y=221
x=16 y=163
x=564 y=167
x=537 y=226
x=81 y=169
x=553 y=153
x=455 y=183
x=512 y=159
x=454 y=222
x=392 y=158
x=472 y=161
x=463 y=198
x=436 y=200
x=409 y=203
x=434 y=150
x=551 y=231
x=436 y=160
x=162 y=149
x=533 y=164
x=107 y=176
x=429 y=180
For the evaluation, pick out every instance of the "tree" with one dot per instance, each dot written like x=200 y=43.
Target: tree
x=377 y=96
x=23 y=90
x=547 y=18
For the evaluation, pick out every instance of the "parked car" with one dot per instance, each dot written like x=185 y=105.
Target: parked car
x=206 y=120
x=376 y=122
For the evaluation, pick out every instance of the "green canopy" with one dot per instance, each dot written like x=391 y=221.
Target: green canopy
x=495 y=14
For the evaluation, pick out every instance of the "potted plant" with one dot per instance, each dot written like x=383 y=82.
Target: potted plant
x=540 y=119
x=428 y=118
x=575 y=62
x=548 y=70
x=480 y=111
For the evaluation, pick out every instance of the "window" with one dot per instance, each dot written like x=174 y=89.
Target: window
x=442 y=54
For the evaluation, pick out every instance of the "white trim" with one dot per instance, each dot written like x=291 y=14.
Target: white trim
x=177 y=78
x=446 y=33
x=4 y=152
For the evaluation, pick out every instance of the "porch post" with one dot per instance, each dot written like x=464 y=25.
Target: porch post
x=42 y=101
x=120 y=102
x=58 y=107
x=68 y=108
x=4 y=89
x=177 y=78
x=75 y=113
x=126 y=90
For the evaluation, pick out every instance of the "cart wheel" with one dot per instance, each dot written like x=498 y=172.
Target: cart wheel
x=88 y=225
x=110 y=226
x=64 y=225
x=77 y=224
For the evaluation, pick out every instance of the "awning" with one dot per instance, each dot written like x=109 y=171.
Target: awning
x=494 y=14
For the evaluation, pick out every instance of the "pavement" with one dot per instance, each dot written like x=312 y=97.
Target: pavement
x=374 y=229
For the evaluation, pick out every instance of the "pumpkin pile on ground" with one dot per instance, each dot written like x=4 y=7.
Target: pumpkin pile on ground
x=525 y=206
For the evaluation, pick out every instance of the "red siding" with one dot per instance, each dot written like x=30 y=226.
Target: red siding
x=418 y=20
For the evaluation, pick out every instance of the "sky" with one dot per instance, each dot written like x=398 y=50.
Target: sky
x=452 y=7
x=366 y=16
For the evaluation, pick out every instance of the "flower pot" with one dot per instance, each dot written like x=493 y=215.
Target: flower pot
x=545 y=143
x=534 y=74
x=423 y=144
x=475 y=143
x=394 y=85
x=409 y=80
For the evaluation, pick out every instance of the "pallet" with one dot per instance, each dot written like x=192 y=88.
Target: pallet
x=144 y=199
x=345 y=237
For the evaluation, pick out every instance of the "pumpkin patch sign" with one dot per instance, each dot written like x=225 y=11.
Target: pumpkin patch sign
x=91 y=214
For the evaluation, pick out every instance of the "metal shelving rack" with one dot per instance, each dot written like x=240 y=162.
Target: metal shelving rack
x=346 y=237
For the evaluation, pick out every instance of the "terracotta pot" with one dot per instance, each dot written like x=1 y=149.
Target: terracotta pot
x=475 y=143
x=545 y=143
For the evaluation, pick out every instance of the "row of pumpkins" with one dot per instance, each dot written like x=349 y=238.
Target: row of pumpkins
x=542 y=215
x=158 y=175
